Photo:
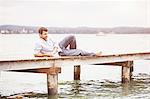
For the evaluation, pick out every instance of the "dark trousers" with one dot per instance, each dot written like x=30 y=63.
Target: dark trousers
x=69 y=47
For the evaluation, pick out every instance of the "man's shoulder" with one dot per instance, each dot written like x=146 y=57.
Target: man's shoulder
x=38 y=41
x=49 y=39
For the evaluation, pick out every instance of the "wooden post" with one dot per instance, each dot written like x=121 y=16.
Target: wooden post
x=126 y=89
x=131 y=70
x=77 y=72
x=52 y=96
x=127 y=70
x=52 y=80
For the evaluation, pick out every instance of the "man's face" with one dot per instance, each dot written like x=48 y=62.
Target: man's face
x=44 y=35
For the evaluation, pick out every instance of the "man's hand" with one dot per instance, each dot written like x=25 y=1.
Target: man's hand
x=98 y=54
x=55 y=50
x=47 y=55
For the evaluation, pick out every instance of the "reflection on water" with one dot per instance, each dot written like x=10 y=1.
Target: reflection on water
x=139 y=88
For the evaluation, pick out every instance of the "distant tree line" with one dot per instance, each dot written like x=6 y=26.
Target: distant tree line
x=15 y=29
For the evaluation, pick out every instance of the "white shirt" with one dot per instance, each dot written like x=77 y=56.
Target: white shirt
x=45 y=47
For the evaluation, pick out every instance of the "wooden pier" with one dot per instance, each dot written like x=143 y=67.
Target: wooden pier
x=52 y=65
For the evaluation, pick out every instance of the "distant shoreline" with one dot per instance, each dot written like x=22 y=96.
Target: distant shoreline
x=16 y=29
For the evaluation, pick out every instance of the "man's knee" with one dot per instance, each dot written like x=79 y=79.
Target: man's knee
x=72 y=37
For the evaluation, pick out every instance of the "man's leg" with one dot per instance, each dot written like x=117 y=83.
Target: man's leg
x=76 y=52
x=68 y=41
x=71 y=42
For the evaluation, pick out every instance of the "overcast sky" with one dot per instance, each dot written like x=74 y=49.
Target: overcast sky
x=91 y=13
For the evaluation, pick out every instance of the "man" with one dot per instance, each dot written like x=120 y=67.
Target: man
x=47 y=47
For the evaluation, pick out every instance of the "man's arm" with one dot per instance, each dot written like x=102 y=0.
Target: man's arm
x=37 y=49
x=43 y=55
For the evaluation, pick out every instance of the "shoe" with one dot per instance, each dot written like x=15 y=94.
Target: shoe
x=61 y=54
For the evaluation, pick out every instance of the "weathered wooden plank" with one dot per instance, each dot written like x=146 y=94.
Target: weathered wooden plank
x=145 y=55
x=39 y=70
x=113 y=63
x=17 y=65
x=63 y=61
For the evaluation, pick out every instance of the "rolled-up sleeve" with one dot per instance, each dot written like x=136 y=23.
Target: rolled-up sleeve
x=38 y=48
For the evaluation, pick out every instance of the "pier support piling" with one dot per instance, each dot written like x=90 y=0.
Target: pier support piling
x=127 y=70
x=77 y=72
x=52 y=80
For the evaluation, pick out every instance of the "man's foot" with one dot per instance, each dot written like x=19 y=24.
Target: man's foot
x=98 y=54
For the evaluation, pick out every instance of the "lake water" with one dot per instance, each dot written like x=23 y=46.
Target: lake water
x=96 y=81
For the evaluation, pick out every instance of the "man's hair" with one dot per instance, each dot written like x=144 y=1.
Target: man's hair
x=41 y=29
